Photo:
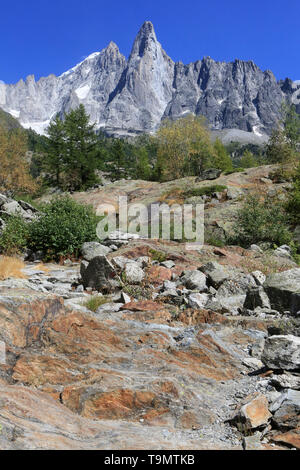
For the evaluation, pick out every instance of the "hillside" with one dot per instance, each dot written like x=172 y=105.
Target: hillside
x=8 y=122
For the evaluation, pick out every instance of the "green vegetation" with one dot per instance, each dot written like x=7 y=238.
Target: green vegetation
x=293 y=204
x=221 y=158
x=14 y=238
x=62 y=228
x=7 y=122
x=261 y=220
x=71 y=153
x=156 y=255
x=205 y=190
x=15 y=174
x=93 y=303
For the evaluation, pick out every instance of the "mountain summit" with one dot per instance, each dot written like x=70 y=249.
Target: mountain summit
x=132 y=96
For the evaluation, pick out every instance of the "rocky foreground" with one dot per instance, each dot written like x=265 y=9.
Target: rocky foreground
x=189 y=350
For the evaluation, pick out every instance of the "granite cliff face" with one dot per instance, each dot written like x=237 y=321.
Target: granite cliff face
x=134 y=95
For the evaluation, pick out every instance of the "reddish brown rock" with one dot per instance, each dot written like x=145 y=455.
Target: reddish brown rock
x=158 y=274
x=291 y=438
x=143 y=306
x=253 y=413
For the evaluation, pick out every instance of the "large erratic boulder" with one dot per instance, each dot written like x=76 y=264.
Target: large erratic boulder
x=282 y=352
x=100 y=275
x=283 y=290
x=90 y=250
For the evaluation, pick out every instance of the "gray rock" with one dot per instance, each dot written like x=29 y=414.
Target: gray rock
x=118 y=235
x=194 y=280
x=253 y=363
x=28 y=207
x=14 y=208
x=109 y=307
x=168 y=264
x=257 y=348
x=286 y=380
x=83 y=265
x=256 y=248
x=197 y=301
x=210 y=174
x=216 y=273
x=283 y=251
x=100 y=275
x=283 y=290
x=256 y=297
x=282 y=352
x=252 y=442
x=121 y=261
x=133 y=273
x=90 y=250
x=287 y=411
x=143 y=261
x=259 y=277
x=169 y=285
x=125 y=298
x=234 y=193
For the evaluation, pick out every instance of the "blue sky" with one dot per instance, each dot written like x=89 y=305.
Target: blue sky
x=50 y=36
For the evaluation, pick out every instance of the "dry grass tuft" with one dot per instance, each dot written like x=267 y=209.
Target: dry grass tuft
x=11 y=267
x=42 y=267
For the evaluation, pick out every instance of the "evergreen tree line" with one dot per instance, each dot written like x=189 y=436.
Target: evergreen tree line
x=73 y=155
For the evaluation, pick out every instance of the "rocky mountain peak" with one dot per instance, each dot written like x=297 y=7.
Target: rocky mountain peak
x=126 y=97
x=145 y=40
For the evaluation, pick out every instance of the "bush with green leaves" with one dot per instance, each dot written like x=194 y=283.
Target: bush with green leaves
x=205 y=190
x=14 y=237
x=62 y=228
x=261 y=220
x=293 y=204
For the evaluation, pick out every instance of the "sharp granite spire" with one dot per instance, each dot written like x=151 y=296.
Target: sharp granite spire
x=134 y=95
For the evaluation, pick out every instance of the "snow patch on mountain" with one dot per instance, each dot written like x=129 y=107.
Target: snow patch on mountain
x=83 y=91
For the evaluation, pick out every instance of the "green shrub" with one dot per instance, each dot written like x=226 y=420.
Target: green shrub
x=205 y=190
x=157 y=255
x=62 y=228
x=261 y=221
x=95 y=302
x=14 y=237
x=293 y=204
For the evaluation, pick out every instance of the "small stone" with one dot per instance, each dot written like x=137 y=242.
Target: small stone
x=197 y=301
x=253 y=414
x=253 y=363
x=252 y=442
x=194 y=280
x=168 y=264
x=133 y=273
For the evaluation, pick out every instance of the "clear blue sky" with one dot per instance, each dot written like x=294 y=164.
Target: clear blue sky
x=50 y=36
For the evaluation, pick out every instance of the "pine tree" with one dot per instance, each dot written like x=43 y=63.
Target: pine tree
x=82 y=150
x=221 y=159
x=55 y=150
x=248 y=160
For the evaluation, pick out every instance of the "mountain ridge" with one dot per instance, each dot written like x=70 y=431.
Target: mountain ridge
x=129 y=96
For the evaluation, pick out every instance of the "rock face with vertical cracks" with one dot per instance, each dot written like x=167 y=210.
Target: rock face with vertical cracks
x=130 y=96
